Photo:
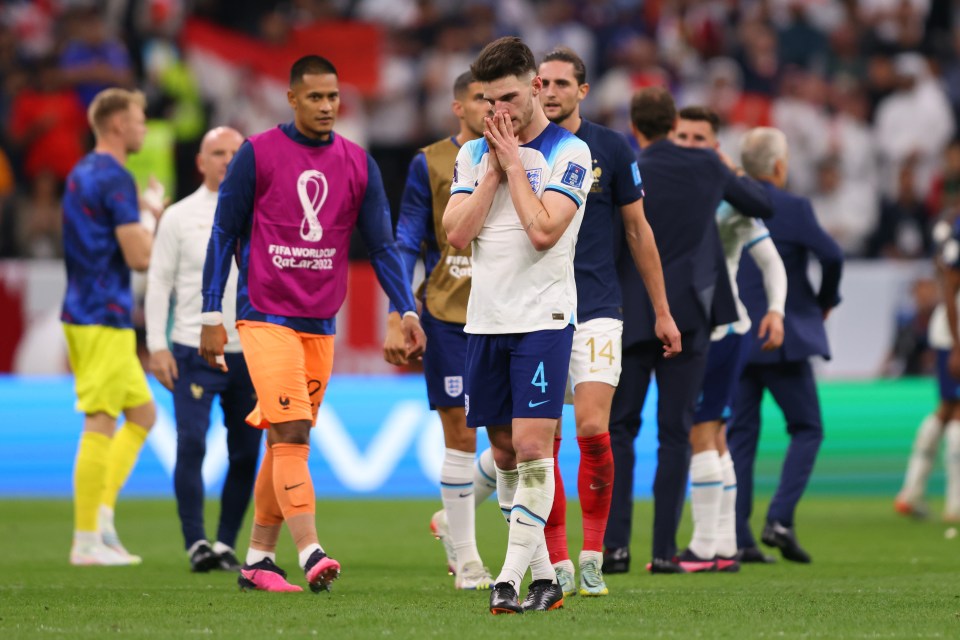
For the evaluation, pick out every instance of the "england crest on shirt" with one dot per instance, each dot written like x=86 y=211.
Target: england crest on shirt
x=453 y=385
x=533 y=175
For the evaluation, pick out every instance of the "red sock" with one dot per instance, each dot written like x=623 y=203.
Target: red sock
x=556 y=530
x=595 y=484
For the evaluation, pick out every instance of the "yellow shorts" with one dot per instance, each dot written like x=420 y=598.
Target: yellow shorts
x=106 y=369
x=289 y=370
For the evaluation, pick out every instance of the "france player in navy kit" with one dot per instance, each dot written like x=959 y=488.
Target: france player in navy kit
x=595 y=361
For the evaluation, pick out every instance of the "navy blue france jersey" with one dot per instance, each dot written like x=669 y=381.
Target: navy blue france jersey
x=616 y=182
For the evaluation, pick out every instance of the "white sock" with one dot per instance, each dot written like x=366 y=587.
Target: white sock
x=951 y=507
x=105 y=520
x=484 y=477
x=507 y=482
x=921 y=459
x=706 y=493
x=256 y=555
x=306 y=552
x=220 y=548
x=456 y=490
x=86 y=538
x=531 y=508
x=727 y=522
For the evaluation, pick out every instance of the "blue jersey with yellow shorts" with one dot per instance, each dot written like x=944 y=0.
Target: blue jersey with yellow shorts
x=97 y=309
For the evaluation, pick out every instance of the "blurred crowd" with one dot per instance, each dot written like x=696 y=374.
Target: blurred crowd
x=867 y=91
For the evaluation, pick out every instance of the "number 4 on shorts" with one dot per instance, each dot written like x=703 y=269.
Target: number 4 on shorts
x=539 y=380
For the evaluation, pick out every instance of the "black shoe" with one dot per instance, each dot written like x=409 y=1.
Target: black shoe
x=543 y=595
x=616 y=560
x=662 y=565
x=692 y=563
x=755 y=555
x=784 y=538
x=203 y=559
x=503 y=599
x=227 y=561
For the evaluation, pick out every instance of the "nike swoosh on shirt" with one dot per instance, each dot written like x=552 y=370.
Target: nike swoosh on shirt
x=526 y=524
x=597 y=487
x=533 y=404
x=294 y=486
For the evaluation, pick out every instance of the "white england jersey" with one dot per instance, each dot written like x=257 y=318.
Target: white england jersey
x=737 y=233
x=947 y=237
x=515 y=288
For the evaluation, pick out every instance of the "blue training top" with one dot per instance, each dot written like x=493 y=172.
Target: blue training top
x=100 y=196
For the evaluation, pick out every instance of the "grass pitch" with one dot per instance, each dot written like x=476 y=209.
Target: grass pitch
x=875 y=575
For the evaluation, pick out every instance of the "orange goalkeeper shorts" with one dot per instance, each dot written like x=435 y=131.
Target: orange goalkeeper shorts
x=289 y=370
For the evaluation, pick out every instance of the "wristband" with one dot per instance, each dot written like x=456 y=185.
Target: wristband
x=411 y=313
x=211 y=318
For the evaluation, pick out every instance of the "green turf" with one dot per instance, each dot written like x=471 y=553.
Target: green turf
x=875 y=575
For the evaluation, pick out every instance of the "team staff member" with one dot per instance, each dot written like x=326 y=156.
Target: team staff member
x=287 y=208
x=786 y=371
x=176 y=271
x=683 y=188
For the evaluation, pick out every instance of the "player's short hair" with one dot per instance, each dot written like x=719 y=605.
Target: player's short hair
x=312 y=65
x=462 y=83
x=760 y=148
x=112 y=101
x=566 y=54
x=506 y=56
x=653 y=112
x=701 y=114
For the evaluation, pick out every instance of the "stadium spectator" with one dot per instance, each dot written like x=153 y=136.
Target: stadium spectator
x=103 y=241
x=48 y=124
x=92 y=59
x=287 y=335
x=173 y=291
x=786 y=371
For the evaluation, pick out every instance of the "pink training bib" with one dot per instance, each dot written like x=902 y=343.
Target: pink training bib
x=305 y=208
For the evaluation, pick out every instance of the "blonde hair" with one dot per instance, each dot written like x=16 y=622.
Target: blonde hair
x=111 y=101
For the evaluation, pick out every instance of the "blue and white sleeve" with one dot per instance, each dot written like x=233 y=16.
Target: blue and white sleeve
x=572 y=172
x=416 y=215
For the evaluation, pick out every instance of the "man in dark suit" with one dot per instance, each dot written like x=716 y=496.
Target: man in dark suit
x=683 y=189
x=786 y=371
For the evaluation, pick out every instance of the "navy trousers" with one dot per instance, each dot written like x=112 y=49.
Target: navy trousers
x=193 y=395
x=678 y=382
x=795 y=391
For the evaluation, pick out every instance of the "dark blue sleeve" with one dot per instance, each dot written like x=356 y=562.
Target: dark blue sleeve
x=416 y=215
x=119 y=193
x=627 y=183
x=376 y=229
x=746 y=195
x=829 y=254
x=234 y=213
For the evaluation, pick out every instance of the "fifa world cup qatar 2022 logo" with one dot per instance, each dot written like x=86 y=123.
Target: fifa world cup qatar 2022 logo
x=312 y=189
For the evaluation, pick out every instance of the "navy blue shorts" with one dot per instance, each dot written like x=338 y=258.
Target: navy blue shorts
x=444 y=361
x=516 y=375
x=725 y=362
x=949 y=386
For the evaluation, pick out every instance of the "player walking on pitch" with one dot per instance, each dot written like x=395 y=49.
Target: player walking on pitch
x=288 y=205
